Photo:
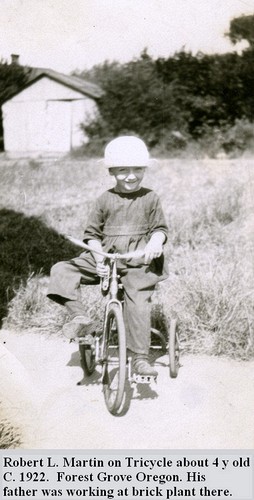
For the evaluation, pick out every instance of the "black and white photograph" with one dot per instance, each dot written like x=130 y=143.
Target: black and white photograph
x=127 y=226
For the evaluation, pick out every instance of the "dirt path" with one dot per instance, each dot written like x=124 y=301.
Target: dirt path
x=210 y=404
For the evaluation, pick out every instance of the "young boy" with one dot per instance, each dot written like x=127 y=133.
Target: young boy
x=126 y=218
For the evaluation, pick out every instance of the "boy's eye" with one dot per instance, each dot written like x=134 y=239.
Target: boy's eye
x=126 y=171
x=122 y=171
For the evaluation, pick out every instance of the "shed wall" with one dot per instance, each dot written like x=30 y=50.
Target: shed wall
x=46 y=116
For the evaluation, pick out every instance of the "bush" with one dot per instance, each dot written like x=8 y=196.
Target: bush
x=226 y=140
x=239 y=138
x=199 y=96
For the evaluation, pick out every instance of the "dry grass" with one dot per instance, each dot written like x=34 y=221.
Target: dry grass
x=213 y=302
x=208 y=205
x=9 y=436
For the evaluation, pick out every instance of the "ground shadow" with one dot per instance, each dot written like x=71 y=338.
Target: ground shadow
x=133 y=390
x=28 y=246
x=144 y=391
x=93 y=379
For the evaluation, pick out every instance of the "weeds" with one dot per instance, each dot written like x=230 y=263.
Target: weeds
x=9 y=436
x=31 y=309
x=213 y=302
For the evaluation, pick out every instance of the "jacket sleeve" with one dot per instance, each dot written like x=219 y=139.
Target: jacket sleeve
x=157 y=220
x=94 y=229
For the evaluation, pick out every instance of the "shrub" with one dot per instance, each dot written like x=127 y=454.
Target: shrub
x=239 y=137
x=199 y=96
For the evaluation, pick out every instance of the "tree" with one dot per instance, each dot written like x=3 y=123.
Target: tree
x=242 y=28
x=135 y=101
x=191 y=94
x=12 y=78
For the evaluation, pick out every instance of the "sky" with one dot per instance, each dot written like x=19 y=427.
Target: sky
x=77 y=34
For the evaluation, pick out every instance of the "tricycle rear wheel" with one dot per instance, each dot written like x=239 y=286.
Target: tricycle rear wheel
x=174 y=349
x=87 y=357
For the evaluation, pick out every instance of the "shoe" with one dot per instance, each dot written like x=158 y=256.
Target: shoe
x=141 y=365
x=80 y=326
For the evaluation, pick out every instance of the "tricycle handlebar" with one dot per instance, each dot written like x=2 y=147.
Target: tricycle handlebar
x=136 y=254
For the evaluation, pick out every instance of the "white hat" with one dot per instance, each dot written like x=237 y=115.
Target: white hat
x=126 y=151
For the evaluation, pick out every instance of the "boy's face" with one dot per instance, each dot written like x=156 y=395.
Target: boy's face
x=128 y=179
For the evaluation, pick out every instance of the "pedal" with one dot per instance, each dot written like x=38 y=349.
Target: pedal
x=136 y=378
x=86 y=345
x=87 y=341
x=144 y=379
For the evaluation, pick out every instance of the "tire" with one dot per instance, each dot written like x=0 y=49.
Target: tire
x=87 y=357
x=114 y=360
x=174 y=350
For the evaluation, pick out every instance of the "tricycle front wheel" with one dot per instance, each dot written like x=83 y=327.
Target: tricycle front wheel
x=114 y=360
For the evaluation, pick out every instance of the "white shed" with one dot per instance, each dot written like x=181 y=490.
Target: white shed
x=45 y=116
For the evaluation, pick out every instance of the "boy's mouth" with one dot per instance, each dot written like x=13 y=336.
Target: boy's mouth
x=131 y=183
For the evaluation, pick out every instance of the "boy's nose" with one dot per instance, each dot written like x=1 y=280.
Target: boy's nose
x=131 y=175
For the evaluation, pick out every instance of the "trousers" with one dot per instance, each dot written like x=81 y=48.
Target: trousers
x=138 y=282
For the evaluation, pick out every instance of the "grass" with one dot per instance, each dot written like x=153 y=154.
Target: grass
x=208 y=206
x=9 y=436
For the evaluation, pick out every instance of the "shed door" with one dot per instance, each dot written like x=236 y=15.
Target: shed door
x=58 y=126
x=24 y=126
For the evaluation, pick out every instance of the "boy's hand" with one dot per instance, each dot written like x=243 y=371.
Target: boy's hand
x=152 y=251
x=101 y=269
x=154 y=247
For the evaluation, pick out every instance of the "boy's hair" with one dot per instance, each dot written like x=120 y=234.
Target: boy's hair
x=126 y=151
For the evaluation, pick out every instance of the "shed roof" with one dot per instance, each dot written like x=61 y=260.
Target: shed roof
x=74 y=82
